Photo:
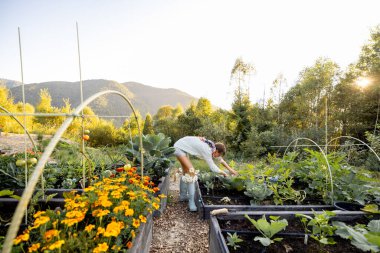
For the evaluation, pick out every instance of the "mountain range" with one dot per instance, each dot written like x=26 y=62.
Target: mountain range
x=144 y=98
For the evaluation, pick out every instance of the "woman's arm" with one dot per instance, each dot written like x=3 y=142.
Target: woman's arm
x=213 y=166
x=233 y=172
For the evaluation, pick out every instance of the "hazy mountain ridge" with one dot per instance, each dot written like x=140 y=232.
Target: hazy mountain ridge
x=144 y=98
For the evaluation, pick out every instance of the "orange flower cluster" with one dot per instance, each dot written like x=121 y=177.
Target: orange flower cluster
x=105 y=217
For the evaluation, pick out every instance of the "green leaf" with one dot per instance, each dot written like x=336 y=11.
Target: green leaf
x=263 y=240
x=372 y=238
x=264 y=226
x=374 y=226
x=6 y=193
x=277 y=226
x=357 y=238
x=372 y=208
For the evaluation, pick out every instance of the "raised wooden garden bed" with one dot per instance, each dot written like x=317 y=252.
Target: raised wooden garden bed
x=164 y=189
x=143 y=239
x=293 y=236
x=207 y=203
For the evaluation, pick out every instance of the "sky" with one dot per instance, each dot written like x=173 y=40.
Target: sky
x=188 y=45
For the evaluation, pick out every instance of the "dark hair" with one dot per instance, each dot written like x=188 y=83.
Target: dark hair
x=220 y=147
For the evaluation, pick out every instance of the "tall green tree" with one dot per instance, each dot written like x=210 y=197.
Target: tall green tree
x=241 y=105
x=148 y=125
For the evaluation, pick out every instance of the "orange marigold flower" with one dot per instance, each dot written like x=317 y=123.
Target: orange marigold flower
x=155 y=205
x=50 y=234
x=34 y=247
x=100 y=213
x=118 y=209
x=156 y=189
x=38 y=214
x=129 y=244
x=129 y=212
x=136 y=223
x=100 y=231
x=21 y=238
x=142 y=218
x=89 y=189
x=56 y=245
x=88 y=228
x=40 y=221
x=113 y=229
x=102 y=247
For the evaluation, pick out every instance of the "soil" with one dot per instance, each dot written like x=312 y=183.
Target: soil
x=177 y=229
x=293 y=238
x=215 y=196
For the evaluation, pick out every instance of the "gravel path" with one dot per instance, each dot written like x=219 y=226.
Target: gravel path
x=178 y=230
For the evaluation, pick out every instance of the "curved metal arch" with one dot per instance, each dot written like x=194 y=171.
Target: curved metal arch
x=327 y=162
x=350 y=137
x=27 y=194
x=22 y=125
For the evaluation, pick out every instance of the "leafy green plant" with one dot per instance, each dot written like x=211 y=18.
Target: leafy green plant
x=233 y=183
x=284 y=191
x=268 y=229
x=366 y=238
x=371 y=208
x=233 y=240
x=257 y=191
x=156 y=153
x=320 y=228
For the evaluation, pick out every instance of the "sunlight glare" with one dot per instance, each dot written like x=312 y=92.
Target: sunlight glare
x=362 y=81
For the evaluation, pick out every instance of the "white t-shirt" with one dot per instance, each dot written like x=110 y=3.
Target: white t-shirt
x=195 y=146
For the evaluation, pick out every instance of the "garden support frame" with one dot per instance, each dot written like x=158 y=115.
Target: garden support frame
x=27 y=194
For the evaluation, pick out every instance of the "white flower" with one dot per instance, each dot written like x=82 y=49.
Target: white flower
x=189 y=179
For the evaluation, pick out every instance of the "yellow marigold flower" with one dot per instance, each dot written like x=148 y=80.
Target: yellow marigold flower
x=142 y=218
x=133 y=234
x=50 y=234
x=129 y=212
x=40 y=221
x=38 y=214
x=116 y=194
x=118 y=209
x=21 y=238
x=34 y=247
x=100 y=213
x=155 y=205
x=136 y=223
x=89 y=189
x=161 y=196
x=56 y=245
x=113 y=229
x=129 y=245
x=125 y=203
x=102 y=247
x=100 y=231
x=131 y=194
x=88 y=228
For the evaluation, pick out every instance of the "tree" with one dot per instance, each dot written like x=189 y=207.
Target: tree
x=241 y=104
x=203 y=108
x=148 y=125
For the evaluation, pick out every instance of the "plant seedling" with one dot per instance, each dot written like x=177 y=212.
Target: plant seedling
x=268 y=230
x=233 y=240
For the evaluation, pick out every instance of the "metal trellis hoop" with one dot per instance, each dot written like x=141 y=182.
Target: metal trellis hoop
x=27 y=194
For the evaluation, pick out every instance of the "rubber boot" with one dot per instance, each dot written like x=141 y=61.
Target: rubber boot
x=191 y=191
x=182 y=190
